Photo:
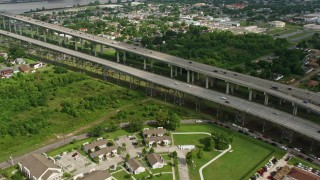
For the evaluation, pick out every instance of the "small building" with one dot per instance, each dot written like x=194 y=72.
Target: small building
x=88 y=148
x=301 y=174
x=155 y=160
x=313 y=83
x=277 y=24
x=24 y=68
x=312 y=27
x=6 y=72
x=36 y=65
x=159 y=140
x=146 y=133
x=4 y=55
x=15 y=70
x=38 y=167
x=97 y=175
x=19 y=61
x=135 y=166
x=105 y=152
x=229 y=23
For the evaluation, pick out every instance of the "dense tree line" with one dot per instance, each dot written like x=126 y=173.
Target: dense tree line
x=214 y=48
x=285 y=62
x=314 y=42
x=22 y=93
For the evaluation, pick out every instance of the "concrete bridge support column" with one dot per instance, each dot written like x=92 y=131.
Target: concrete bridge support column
x=64 y=38
x=144 y=64
x=9 y=25
x=250 y=94
x=231 y=88
x=228 y=87
x=176 y=71
x=75 y=44
x=118 y=56
x=295 y=109
x=266 y=99
x=171 y=71
x=45 y=35
x=207 y=82
x=95 y=49
x=15 y=27
x=151 y=64
x=181 y=70
x=81 y=44
x=4 y=22
x=188 y=76
x=254 y=94
x=101 y=49
x=20 y=28
x=198 y=76
x=237 y=87
x=192 y=77
x=211 y=81
x=124 y=57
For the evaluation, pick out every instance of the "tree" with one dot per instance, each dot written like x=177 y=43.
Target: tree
x=162 y=117
x=144 y=151
x=2 y=59
x=211 y=144
x=174 y=154
x=174 y=121
x=124 y=145
x=135 y=125
x=113 y=126
x=190 y=156
x=221 y=141
x=200 y=153
x=96 y=132
x=151 y=150
x=110 y=143
x=127 y=157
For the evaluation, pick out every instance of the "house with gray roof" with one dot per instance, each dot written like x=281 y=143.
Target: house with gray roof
x=39 y=167
x=105 y=152
x=158 y=140
x=146 y=133
x=96 y=144
x=19 y=61
x=97 y=175
x=135 y=166
x=155 y=160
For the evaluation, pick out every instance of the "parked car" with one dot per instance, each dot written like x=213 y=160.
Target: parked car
x=74 y=154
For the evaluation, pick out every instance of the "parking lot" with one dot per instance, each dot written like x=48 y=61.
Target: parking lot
x=130 y=148
x=77 y=164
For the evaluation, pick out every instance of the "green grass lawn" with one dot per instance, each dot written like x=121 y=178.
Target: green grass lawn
x=296 y=160
x=189 y=139
x=120 y=175
x=69 y=147
x=248 y=154
x=8 y=172
x=163 y=177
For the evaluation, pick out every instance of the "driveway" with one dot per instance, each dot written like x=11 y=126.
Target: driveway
x=182 y=166
x=134 y=152
x=81 y=165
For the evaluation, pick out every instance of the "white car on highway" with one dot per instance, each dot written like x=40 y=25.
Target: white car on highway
x=198 y=121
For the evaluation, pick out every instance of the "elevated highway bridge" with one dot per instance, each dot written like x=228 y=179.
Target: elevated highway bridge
x=298 y=97
x=283 y=119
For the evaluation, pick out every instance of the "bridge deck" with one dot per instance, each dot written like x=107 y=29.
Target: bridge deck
x=284 y=119
x=295 y=95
